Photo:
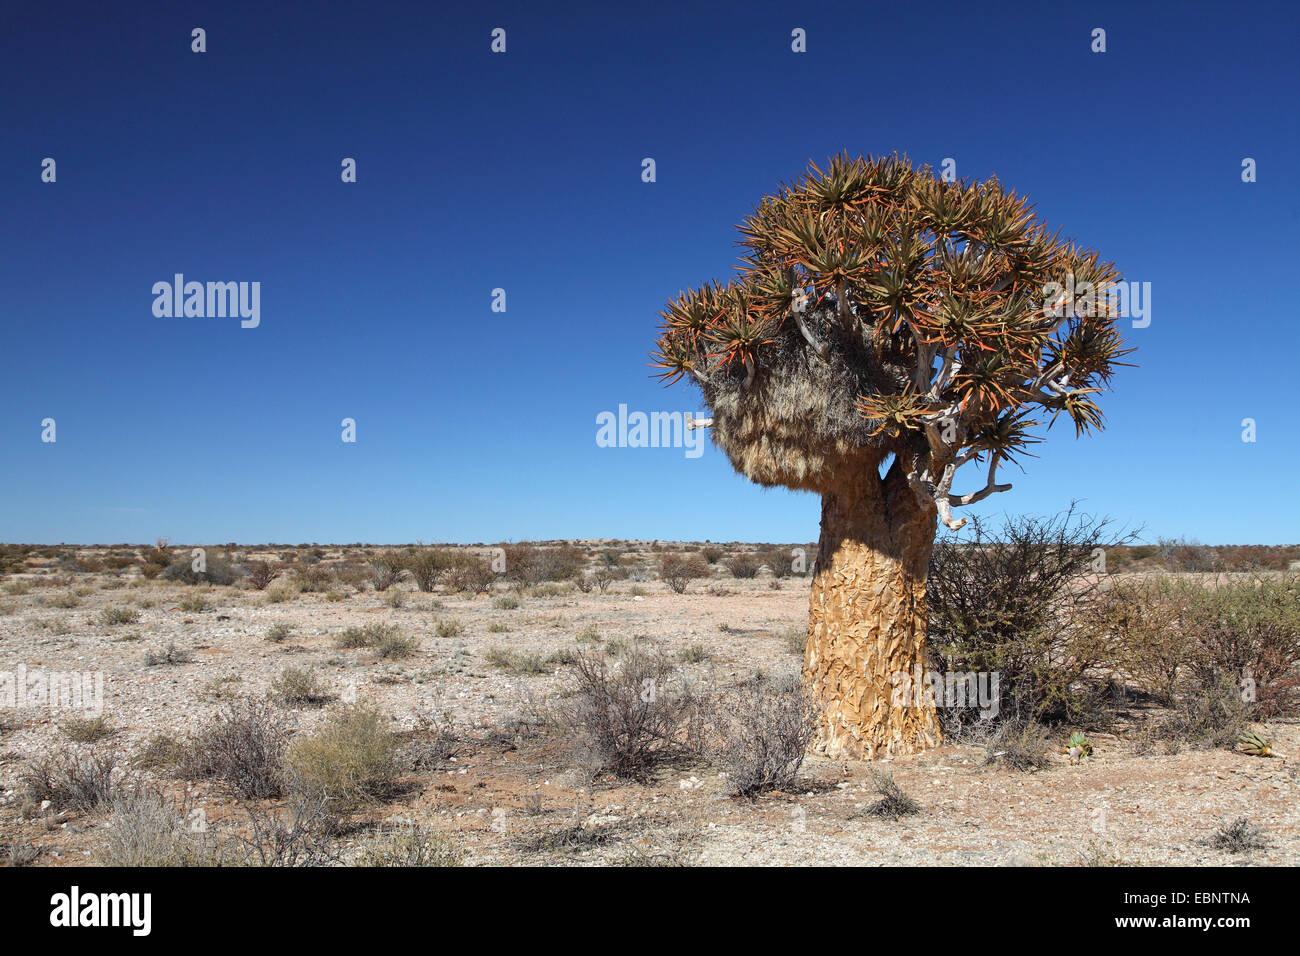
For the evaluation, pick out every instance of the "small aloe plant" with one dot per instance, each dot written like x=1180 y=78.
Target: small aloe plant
x=1255 y=744
x=1080 y=746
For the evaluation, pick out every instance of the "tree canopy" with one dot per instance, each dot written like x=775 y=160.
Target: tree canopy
x=881 y=310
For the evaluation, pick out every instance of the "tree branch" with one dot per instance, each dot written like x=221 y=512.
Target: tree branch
x=821 y=348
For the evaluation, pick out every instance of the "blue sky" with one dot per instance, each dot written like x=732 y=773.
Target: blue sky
x=522 y=171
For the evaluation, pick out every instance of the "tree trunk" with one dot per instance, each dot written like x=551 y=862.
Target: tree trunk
x=867 y=617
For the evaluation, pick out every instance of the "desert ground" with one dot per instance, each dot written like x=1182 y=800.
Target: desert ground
x=485 y=775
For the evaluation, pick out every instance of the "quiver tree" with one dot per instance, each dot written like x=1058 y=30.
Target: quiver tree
x=885 y=329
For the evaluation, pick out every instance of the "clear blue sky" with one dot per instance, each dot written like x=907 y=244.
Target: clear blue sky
x=523 y=171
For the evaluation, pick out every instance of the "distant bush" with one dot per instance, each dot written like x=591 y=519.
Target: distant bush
x=260 y=574
x=114 y=616
x=282 y=591
x=314 y=578
x=194 y=601
x=169 y=655
x=160 y=752
x=694 y=654
x=449 y=627
x=369 y=635
x=428 y=565
x=523 y=662
x=468 y=573
x=528 y=564
x=384 y=569
x=217 y=570
x=678 y=570
x=603 y=577
x=743 y=565
x=397 y=646
x=780 y=562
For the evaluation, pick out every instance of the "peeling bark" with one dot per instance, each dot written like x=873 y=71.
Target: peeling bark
x=867 y=616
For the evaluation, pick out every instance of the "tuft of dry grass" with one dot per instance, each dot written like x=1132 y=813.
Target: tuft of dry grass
x=87 y=730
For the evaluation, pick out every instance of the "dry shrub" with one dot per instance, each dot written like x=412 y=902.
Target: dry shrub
x=625 y=717
x=1144 y=618
x=243 y=747
x=397 y=646
x=1211 y=713
x=743 y=565
x=300 y=685
x=603 y=577
x=679 y=570
x=759 y=733
x=379 y=636
x=779 y=561
x=115 y=616
x=72 y=779
x=1018 y=744
x=313 y=578
x=428 y=565
x=893 y=803
x=87 y=730
x=260 y=574
x=168 y=656
x=1250 y=628
x=468 y=573
x=301 y=834
x=384 y=569
x=147 y=829
x=217 y=570
x=160 y=752
x=1209 y=634
x=528 y=564
x=410 y=845
x=1239 y=836
x=1016 y=601
x=282 y=590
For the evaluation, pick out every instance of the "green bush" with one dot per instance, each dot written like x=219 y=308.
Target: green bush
x=352 y=758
